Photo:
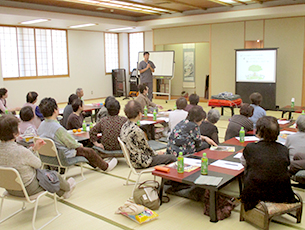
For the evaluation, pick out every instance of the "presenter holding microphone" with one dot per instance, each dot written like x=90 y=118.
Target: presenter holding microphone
x=146 y=68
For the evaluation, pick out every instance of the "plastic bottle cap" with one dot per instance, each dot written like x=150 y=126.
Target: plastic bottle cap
x=181 y=153
x=204 y=154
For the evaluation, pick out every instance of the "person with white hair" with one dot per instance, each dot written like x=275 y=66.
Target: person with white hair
x=296 y=145
x=208 y=127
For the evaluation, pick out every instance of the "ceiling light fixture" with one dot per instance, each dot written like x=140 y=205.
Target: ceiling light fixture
x=35 y=21
x=83 y=25
x=120 y=29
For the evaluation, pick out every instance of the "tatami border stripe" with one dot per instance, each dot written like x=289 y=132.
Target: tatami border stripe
x=109 y=221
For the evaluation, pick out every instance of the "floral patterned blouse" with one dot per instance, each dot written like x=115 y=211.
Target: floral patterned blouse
x=140 y=151
x=185 y=138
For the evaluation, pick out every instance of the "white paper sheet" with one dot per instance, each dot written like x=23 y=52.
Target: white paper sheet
x=191 y=161
x=166 y=119
x=249 y=138
x=146 y=122
x=208 y=180
x=238 y=155
x=61 y=111
x=287 y=132
x=228 y=164
x=283 y=122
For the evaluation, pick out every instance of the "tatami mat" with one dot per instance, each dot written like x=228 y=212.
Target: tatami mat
x=95 y=200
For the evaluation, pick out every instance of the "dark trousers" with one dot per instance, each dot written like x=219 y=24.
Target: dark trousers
x=94 y=159
x=162 y=159
x=297 y=164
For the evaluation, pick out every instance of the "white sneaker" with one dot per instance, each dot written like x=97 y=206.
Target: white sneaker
x=111 y=164
x=72 y=184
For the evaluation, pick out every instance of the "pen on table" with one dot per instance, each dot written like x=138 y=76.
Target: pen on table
x=231 y=164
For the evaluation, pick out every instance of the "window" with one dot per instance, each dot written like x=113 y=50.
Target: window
x=29 y=52
x=111 y=51
x=136 y=45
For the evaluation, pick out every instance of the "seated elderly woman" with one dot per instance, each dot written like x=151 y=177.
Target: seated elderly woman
x=238 y=121
x=266 y=167
x=208 y=127
x=141 y=154
x=296 y=145
x=186 y=137
x=24 y=161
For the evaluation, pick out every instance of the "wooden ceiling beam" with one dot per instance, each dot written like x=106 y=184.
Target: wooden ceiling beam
x=244 y=3
x=222 y=3
x=187 y=4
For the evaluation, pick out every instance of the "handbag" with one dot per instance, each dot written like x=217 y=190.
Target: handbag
x=147 y=194
x=48 y=180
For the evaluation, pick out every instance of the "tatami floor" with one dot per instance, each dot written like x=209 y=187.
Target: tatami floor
x=95 y=200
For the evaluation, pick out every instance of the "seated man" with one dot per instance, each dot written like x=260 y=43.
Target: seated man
x=238 y=121
x=256 y=99
x=141 y=154
x=68 y=110
x=144 y=100
x=208 y=127
x=65 y=143
x=194 y=100
x=75 y=120
x=296 y=145
x=80 y=93
x=179 y=114
x=110 y=128
x=103 y=112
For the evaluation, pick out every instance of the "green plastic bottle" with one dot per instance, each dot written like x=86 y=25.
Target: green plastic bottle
x=292 y=102
x=138 y=123
x=180 y=163
x=84 y=126
x=145 y=111
x=155 y=115
x=242 y=135
x=204 y=164
x=6 y=111
x=175 y=107
x=303 y=112
x=91 y=125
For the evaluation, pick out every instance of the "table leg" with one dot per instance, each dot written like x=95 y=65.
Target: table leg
x=289 y=117
x=161 y=190
x=240 y=183
x=232 y=111
x=221 y=110
x=213 y=206
x=283 y=112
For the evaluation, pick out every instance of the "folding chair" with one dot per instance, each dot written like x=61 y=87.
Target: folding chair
x=49 y=156
x=10 y=180
x=137 y=172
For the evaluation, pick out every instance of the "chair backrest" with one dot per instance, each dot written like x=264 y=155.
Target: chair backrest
x=49 y=149
x=125 y=153
x=10 y=179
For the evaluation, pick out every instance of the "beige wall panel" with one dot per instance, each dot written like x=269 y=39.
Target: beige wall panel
x=254 y=30
x=288 y=35
x=189 y=34
x=202 y=66
x=225 y=38
x=177 y=82
x=86 y=62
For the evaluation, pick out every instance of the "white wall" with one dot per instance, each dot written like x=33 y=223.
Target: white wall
x=87 y=70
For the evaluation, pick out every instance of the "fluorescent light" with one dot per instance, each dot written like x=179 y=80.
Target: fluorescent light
x=83 y=25
x=35 y=21
x=119 y=29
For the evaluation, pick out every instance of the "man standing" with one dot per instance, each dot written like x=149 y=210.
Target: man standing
x=146 y=68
